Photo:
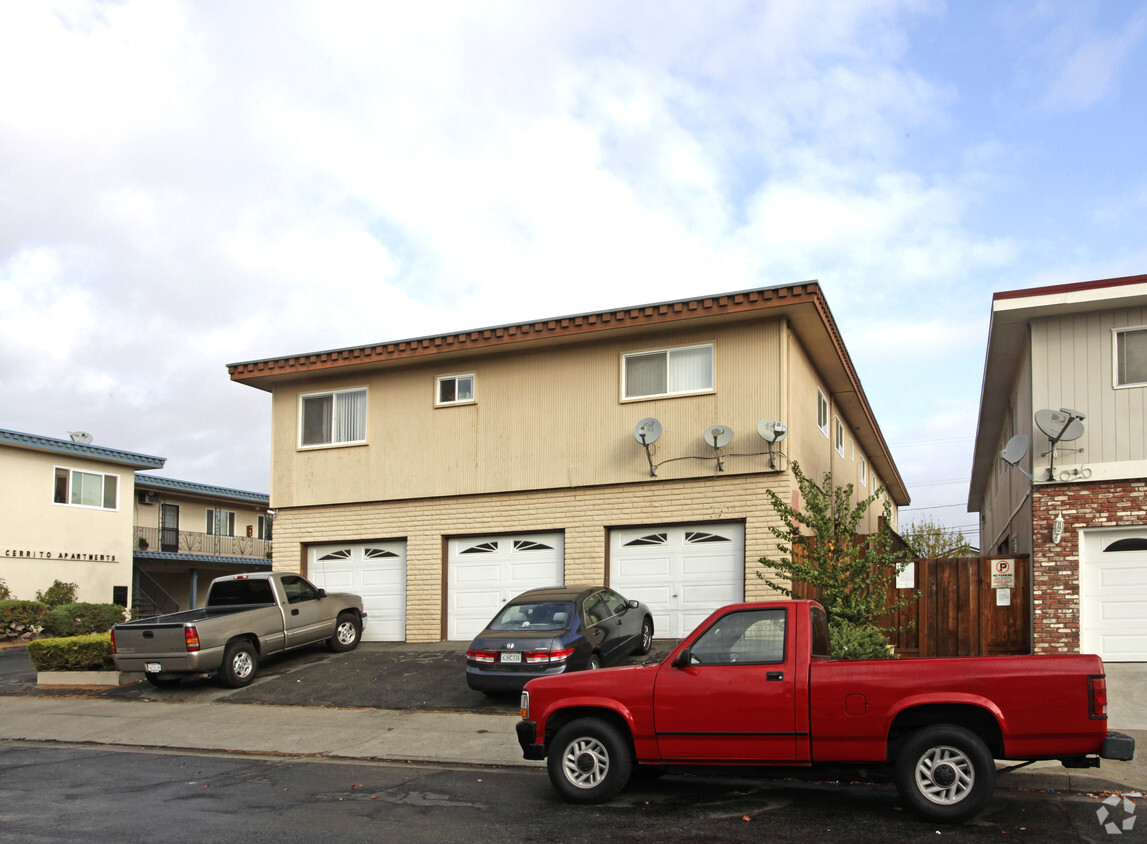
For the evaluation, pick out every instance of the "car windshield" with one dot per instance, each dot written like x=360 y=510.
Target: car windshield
x=545 y=615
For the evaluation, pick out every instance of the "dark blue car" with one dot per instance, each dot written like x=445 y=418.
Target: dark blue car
x=554 y=630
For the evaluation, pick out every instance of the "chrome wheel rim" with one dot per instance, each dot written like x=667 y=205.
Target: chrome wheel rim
x=346 y=633
x=242 y=665
x=585 y=762
x=945 y=775
x=646 y=636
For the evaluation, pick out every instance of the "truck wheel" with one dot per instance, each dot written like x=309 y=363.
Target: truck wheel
x=348 y=630
x=646 y=641
x=589 y=761
x=945 y=773
x=593 y=663
x=240 y=662
x=164 y=681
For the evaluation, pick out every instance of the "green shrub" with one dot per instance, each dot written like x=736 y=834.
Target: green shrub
x=5 y=593
x=864 y=641
x=58 y=593
x=75 y=653
x=22 y=618
x=78 y=619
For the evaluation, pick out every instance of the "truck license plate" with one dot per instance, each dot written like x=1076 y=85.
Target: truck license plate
x=153 y=667
x=509 y=657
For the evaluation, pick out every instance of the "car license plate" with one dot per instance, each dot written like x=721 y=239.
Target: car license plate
x=153 y=667
x=509 y=657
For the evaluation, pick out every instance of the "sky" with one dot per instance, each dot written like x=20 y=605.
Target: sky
x=185 y=185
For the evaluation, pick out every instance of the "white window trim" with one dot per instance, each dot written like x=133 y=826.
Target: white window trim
x=473 y=389
x=822 y=402
x=68 y=493
x=1115 y=332
x=839 y=436
x=669 y=350
x=332 y=393
x=212 y=522
x=863 y=471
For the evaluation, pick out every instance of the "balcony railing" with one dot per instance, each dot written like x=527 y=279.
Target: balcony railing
x=195 y=542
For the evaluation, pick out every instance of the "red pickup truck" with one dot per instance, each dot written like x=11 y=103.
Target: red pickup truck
x=754 y=685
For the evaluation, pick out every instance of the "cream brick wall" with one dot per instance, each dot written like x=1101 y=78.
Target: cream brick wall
x=585 y=515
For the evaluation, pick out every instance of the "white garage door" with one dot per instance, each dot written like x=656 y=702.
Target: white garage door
x=682 y=573
x=374 y=570
x=1113 y=594
x=484 y=572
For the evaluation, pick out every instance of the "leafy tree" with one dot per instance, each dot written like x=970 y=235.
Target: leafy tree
x=58 y=593
x=930 y=540
x=821 y=546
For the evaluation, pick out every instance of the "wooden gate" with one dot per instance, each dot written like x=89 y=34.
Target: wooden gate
x=959 y=612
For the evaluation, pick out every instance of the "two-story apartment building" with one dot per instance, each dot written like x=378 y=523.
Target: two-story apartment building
x=1066 y=376
x=82 y=513
x=440 y=476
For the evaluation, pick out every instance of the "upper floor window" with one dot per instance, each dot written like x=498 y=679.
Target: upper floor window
x=333 y=418
x=839 y=437
x=670 y=372
x=1130 y=356
x=822 y=412
x=220 y=522
x=863 y=472
x=86 y=489
x=455 y=389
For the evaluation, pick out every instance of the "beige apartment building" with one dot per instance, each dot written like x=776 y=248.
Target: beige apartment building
x=440 y=476
x=82 y=513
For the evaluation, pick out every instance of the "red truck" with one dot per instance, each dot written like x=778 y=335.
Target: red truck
x=754 y=685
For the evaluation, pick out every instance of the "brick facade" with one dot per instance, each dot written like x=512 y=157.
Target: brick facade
x=1055 y=576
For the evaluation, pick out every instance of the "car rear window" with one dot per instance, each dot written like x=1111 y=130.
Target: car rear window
x=548 y=615
x=230 y=593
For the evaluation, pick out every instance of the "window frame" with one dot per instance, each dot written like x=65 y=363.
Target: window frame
x=334 y=421
x=863 y=472
x=69 y=489
x=839 y=436
x=1116 y=333
x=212 y=522
x=668 y=352
x=455 y=378
x=822 y=411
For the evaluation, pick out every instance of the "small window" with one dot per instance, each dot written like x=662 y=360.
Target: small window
x=220 y=522
x=668 y=373
x=455 y=389
x=863 y=472
x=86 y=489
x=299 y=590
x=334 y=418
x=1131 y=357
x=839 y=437
x=821 y=645
x=822 y=412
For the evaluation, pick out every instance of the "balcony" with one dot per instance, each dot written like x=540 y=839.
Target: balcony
x=195 y=542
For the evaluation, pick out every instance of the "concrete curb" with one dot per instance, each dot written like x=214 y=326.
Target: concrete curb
x=88 y=678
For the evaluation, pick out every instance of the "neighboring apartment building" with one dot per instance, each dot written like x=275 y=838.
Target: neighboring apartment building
x=1070 y=357
x=440 y=476
x=79 y=513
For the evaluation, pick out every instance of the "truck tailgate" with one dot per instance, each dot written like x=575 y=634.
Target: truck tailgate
x=152 y=640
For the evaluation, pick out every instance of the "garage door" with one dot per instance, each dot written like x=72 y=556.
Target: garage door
x=374 y=570
x=484 y=572
x=1113 y=594
x=682 y=573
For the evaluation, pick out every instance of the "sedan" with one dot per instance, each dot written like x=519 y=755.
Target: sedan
x=554 y=630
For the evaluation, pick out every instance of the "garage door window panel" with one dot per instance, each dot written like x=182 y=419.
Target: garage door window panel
x=668 y=372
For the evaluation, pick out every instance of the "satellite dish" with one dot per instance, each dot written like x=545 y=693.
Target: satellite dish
x=772 y=432
x=82 y=437
x=1063 y=425
x=647 y=431
x=718 y=436
x=1015 y=450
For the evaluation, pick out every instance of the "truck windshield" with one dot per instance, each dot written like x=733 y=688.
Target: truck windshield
x=548 y=615
x=230 y=593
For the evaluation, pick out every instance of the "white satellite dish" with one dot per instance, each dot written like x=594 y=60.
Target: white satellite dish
x=718 y=436
x=1063 y=425
x=1015 y=449
x=771 y=431
x=82 y=437
x=647 y=431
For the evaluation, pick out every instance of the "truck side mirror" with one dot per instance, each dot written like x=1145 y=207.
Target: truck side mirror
x=684 y=659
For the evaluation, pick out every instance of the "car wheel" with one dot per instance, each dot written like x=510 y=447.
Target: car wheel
x=240 y=662
x=348 y=631
x=593 y=663
x=646 y=637
x=589 y=761
x=164 y=681
x=945 y=773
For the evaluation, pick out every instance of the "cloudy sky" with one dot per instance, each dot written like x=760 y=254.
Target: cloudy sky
x=189 y=184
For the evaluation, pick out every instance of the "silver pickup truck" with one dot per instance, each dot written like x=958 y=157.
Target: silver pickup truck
x=247 y=617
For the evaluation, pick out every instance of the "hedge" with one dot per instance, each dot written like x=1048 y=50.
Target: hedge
x=74 y=653
x=78 y=619
x=22 y=618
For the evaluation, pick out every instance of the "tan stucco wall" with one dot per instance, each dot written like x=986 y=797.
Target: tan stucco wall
x=41 y=541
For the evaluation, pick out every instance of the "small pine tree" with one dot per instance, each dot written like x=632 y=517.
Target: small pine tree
x=820 y=547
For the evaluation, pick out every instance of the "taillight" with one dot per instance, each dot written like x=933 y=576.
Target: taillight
x=191 y=635
x=548 y=657
x=1097 y=697
x=482 y=656
x=113 y=641
x=525 y=704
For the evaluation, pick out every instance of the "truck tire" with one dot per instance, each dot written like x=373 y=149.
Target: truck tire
x=945 y=773
x=348 y=631
x=646 y=640
x=589 y=761
x=240 y=663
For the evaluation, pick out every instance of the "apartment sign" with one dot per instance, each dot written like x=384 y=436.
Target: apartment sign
x=77 y=556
